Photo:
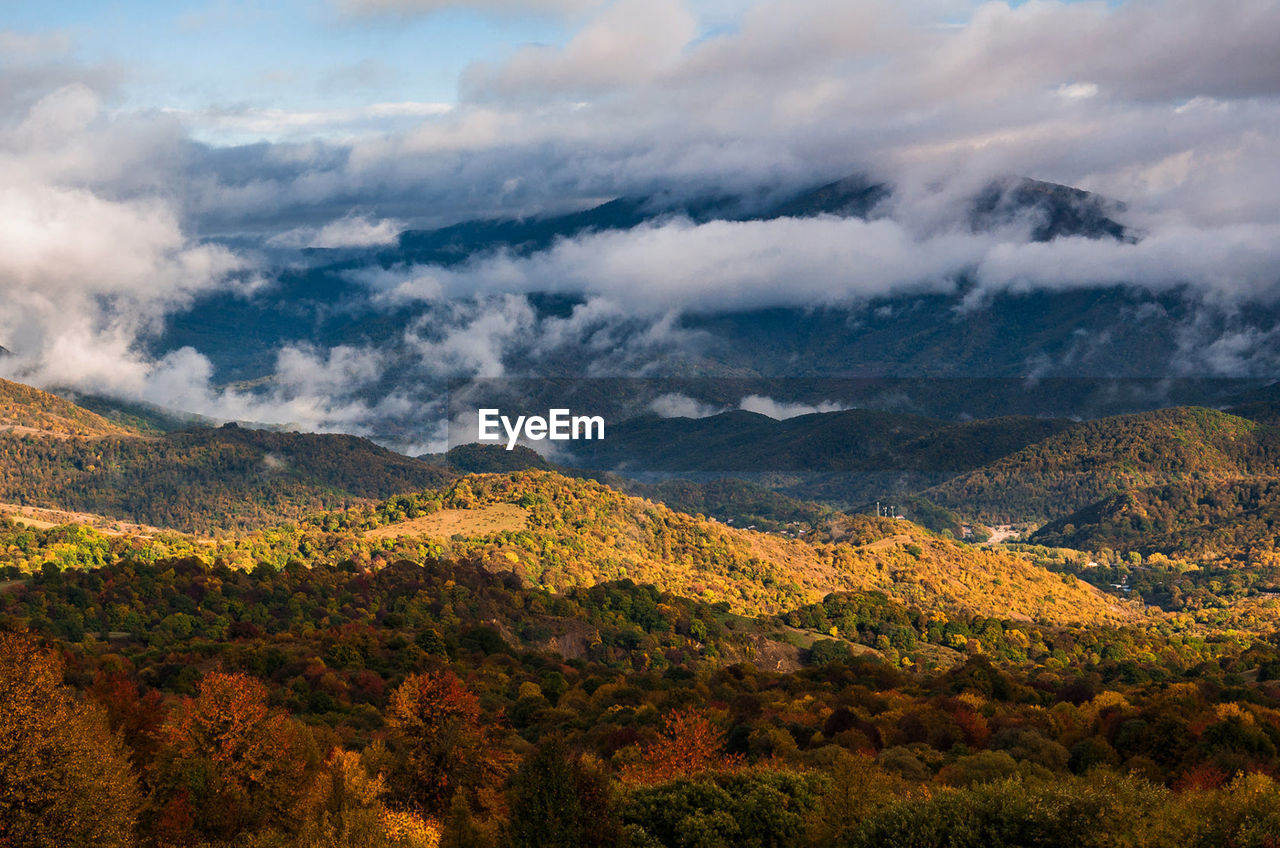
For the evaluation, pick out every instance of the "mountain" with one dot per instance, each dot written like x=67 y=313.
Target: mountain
x=577 y=532
x=1261 y=404
x=1056 y=211
x=1205 y=520
x=853 y=196
x=955 y=331
x=1096 y=459
x=482 y=459
x=732 y=501
x=57 y=455
x=748 y=441
x=849 y=440
x=28 y=411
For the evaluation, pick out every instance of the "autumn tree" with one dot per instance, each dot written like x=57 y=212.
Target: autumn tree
x=746 y=809
x=343 y=808
x=136 y=717
x=229 y=765
x=436 y=726
x=65 y=779
x=691 y=743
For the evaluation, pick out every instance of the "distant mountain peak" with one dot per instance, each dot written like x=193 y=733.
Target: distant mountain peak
x=854 y=196
x=1058 y=210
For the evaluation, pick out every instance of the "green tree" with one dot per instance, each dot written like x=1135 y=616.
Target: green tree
x=562 y=800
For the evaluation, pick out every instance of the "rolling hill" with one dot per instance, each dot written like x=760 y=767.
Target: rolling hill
x=1097 y=459
x=580 y=532
x=1204 y=520
x=849 y=440
x=56 y=455
x=28 y=411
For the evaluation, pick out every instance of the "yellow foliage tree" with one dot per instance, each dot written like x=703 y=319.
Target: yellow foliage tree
x=65 y=779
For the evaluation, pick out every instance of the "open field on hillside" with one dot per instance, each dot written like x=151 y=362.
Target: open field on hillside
x=482 y=521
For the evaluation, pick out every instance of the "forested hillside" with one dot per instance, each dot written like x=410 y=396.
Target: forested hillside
x=1188 y=519
x=851 y=440
x=581 y=532
x=25 y=410
x=1068 y=471
x=422 y=657
x=205 y=480
x=408 y=701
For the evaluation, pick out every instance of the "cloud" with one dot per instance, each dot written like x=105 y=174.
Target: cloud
x=107 y=209
x=426 y=7
x=247 y=124
x=781 y=411
x=721 y=265
x=349 y=231
x=1230 y=263
x=93 y=258
x=476 y=340
x=725 y=266
x=22 y=47
x=631 y=41
x=84 y=276
x=304 y=369
x=675 y=405
x=643 y=97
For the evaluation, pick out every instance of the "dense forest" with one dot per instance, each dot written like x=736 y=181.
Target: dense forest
x=1080 y=466
x=205 y=480
x=437 y=702
x=1207 y=520
x=24 y=409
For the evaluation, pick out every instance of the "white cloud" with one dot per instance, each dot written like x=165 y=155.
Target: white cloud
x=17 y=47
x=82 y=277
x=243 y=125
x=426 y=7
x=305 y=370
x=675 y=405
x=631 y=41
x=641 y=96
x=724 y=265
x=1224 y=263
x=781 y=410
x=476 y=340
x=1078 y=90
x=348 y=231
x=1169 y=104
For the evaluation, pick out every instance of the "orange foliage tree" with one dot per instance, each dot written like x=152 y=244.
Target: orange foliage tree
x=691 y=743
x=229 y=765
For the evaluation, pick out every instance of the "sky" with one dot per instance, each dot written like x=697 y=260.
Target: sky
x=154 y=152
x=239 y=72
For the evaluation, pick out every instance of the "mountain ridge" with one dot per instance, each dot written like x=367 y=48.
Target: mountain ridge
x=25 y=410
x=580 y=532
x=1079 y=466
